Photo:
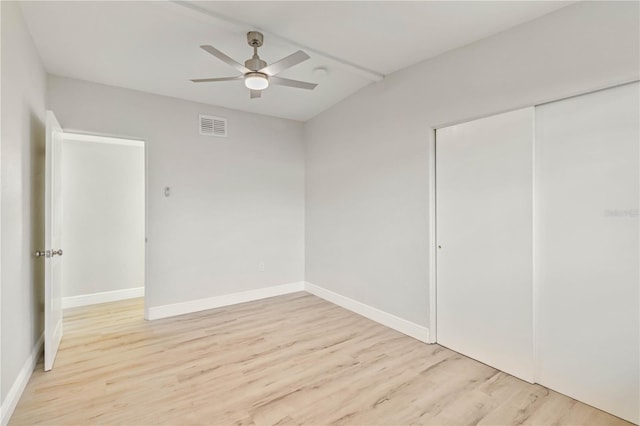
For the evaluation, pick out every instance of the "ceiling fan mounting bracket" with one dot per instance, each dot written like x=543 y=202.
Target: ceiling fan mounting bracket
x=255 y=38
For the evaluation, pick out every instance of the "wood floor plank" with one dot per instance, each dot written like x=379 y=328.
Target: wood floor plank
x=288 y=360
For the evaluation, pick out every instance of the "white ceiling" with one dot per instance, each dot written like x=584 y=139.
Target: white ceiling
x=154 y=46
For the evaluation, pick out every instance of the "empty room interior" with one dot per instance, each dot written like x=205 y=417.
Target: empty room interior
x=320 y=212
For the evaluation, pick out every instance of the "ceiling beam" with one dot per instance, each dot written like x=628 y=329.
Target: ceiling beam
x=210 y=15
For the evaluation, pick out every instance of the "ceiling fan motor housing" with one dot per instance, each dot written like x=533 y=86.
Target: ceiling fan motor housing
x=255 y=63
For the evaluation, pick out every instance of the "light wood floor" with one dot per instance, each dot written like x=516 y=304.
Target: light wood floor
x=293 y=359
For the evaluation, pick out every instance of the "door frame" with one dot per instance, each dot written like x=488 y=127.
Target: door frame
x=73 y=134
x=433 y=240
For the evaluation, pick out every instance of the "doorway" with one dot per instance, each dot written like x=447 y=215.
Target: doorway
x=103 y=219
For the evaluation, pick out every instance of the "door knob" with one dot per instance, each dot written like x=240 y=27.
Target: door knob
x=56 y=252
x=46 y=253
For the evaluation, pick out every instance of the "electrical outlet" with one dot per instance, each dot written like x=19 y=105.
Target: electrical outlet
x=261 y=266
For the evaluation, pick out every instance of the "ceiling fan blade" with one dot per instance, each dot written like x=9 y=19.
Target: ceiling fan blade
x=283 y=64
x=208 y=80
x=292 y=83
x=255 y=94
x=223 y=57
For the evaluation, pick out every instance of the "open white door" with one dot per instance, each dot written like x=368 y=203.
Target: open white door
x=53 y=249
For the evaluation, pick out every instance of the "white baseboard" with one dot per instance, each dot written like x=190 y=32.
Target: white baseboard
x=104 y=297
x=403 y=326
x=164 y=311
x=15 y=392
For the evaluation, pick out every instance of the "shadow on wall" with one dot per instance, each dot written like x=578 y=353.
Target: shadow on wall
x=36 y=158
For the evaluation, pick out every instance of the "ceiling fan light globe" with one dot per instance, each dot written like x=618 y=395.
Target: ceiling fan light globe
x=256 y=81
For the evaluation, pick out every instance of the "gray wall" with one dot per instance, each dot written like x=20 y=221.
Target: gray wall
x=234 y=201
x=103 y=220
x=22 y=194
x=367 y=157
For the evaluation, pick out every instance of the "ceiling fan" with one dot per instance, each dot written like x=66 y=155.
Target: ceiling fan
x=257 y=75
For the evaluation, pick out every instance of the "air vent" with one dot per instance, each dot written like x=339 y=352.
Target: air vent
x=213 y=126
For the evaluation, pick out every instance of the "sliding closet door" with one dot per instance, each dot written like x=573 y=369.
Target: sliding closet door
x=484 y=233
x=587 y=256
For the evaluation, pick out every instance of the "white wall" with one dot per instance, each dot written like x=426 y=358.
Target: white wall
x=22 y=165
x=103 y=220
x=367 y=158
x=234 y=201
